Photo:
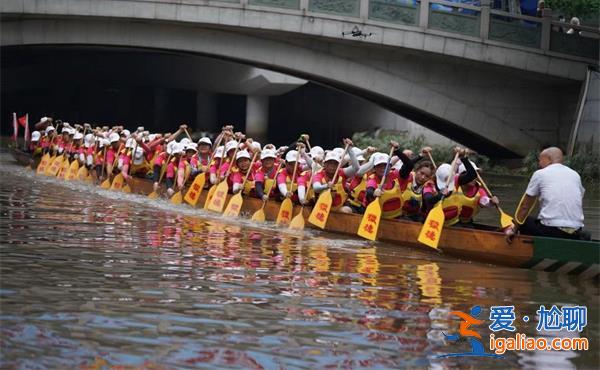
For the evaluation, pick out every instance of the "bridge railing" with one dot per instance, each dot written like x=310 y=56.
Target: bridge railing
x=460 y=19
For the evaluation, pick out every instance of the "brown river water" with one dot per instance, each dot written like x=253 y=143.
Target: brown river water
x=94 y=279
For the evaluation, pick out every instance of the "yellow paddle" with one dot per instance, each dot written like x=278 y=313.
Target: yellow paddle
x=82 y=173
x=41 y=168
x=217 y=202
x=55 y=166
x=64 y=168
x=127 y=188
x=118 y=180
x=193 y=194
x=505 y=220
x=73 y=170
x=177 y=197
x=432 y=228
x=259 y=215
x=320 y=212
x=285 y=210
x=369 y=225
x=297 y=222
x=163 y=169
x=235 y=203
x=211 y=191
x=106 y=183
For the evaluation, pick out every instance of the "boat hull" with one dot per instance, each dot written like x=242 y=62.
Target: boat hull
x=550 y=254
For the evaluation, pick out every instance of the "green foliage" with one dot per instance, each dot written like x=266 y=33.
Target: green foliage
x=583 y=9
x=584 y=161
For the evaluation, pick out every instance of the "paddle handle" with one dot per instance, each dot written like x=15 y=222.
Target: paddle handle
x=387 y=168
x=452 y=171
x=432 y=161
x=164 y=168
x=249 y=170
x=237 y=147
x=295 y=168
x=188 y=134
x=337 y=170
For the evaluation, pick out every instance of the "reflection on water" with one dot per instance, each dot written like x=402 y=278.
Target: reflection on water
x=95 y=279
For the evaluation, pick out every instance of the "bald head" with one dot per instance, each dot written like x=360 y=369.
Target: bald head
x=550 y=156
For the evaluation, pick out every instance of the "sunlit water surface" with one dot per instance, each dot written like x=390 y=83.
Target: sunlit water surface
x=97 y=279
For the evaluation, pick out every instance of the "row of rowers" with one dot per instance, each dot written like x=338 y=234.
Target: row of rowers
x=410 y=189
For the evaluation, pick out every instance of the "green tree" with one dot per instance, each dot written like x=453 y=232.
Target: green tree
x=583 y=9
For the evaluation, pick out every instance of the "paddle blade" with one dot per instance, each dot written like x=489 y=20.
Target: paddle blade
x=177 y=198
x=320 y=212
x=55 y=166
x=193 y=194
x=82 y=173
x=64 y=168
x=370 y=221
x=153 y=195
x=234 y=206
x=105 y=184
x=505 y=220
x=432 y=228
x=209 y=196
x=126 y=189
x=218 y=199
x=297 y=222
x=285 y=212
x=117 y=183
x=41 y=168
x=73 y=170
x=259 y=216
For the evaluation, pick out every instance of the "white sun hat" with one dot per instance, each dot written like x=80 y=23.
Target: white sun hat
x=230 y=145
x=379 y=158
x=291 y=156
x=205 y=140
x=219 y=152
x=35 y=136
x=130 y=143
x=49 y=129
x=191 y=146
x=170 y=147
x=185 y=141
x=268 y=153
x=242 y=154
x=113 y=137
x=177 y=148
x=332 y=156
x=126 y=132
x=138 y=157
x=317 y=151
x=441 y=176
x=357 y=153
x=78 y=136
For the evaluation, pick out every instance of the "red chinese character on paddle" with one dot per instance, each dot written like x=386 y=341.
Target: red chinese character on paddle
x=193 y=195
x=196 y=187
x=235 y=207
x=430 y=235
x=372 y=218
x=320 y=216
x=368 y=228
x=220 y=194
x=285 y=214
x=434 y=224
x=323 y=207
x=217 y=202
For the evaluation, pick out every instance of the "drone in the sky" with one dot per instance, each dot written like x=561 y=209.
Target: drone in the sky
x=357 y=32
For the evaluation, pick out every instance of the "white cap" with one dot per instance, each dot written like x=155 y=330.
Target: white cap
x=130 y=143
x=104 y=142
x=43 y=119
x=291 y=156
x=78 y=136
x=138 y=157
x=205 y=140
x=268 y=153
x=191 y=146
x=332 y=156
x=177 y=148
x=339 y=151
x=219 y=152
x=35 y=136
x=185 y=141
x=441 y=176
x=256 y=145
x=357 y=153
x=140 y=128
x=170 y=147
x=113 y=137
x=242 y=154
x=151 y=137
x=379 y=158
x=126 y=133
x=317 y=151
x=230 y=145
x=48 y=129
x=462 y=168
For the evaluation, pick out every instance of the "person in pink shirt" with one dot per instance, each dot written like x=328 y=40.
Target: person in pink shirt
x=243 y=163
x=266 y=174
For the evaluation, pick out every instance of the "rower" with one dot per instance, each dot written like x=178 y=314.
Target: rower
x=395 y=181
x=412 y=196
x=284 y=177
x=472 y=197
x=323 y=178
x=560 y=193
x=266 y=174
x=356 y=187
x=172 y=166
x=242 y=169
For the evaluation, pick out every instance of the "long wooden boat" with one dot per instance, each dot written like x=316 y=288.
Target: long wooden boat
x=482 y=244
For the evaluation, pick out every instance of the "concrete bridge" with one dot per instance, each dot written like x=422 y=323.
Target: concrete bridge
x=498 y=82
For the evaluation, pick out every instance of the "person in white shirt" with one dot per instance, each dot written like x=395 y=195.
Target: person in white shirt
x=560 y=193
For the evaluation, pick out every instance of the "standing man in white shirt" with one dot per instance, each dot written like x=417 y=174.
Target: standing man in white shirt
x=560 y=193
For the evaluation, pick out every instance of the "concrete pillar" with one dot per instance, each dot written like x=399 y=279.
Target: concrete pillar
x=485 y=19
x=257 y=117
x=206 y=112
x=364 y=9
x=424 y=14
x=546 y=28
